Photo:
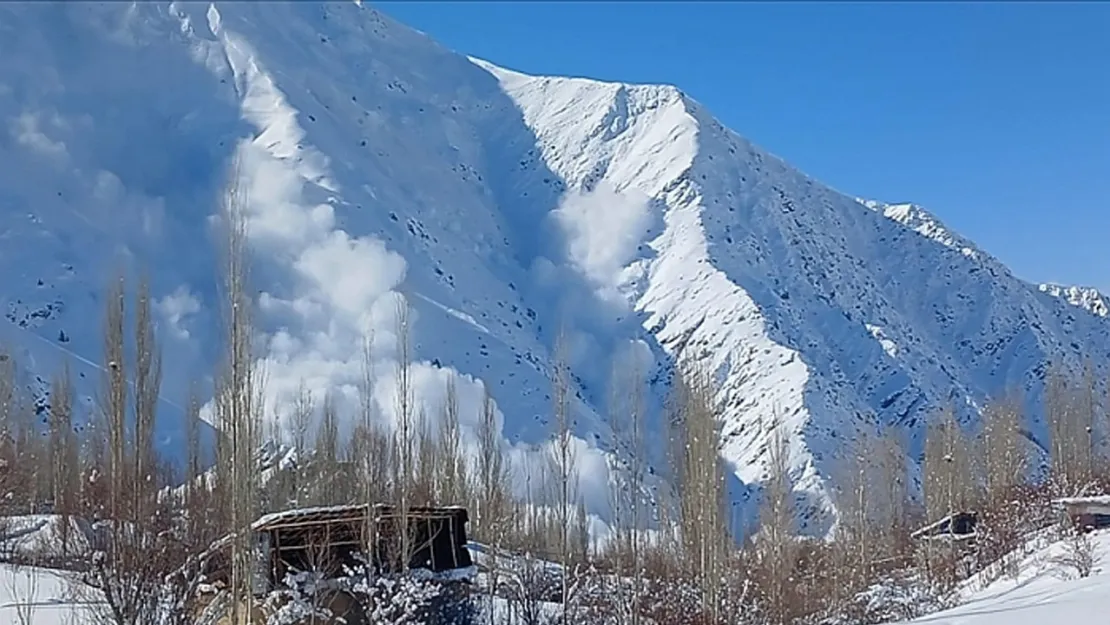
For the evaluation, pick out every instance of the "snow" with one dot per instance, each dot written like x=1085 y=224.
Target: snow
x=1084 y=297
x=1098 y=504
x=40 y=536
x=503 y=206
x=42 y=594
x=1044 y=591
x=1103 y=500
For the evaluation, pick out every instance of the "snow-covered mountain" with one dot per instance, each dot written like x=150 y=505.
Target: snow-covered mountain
x=503 y=206
x=1087 y=298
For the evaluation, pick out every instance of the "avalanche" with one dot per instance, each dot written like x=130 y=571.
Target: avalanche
x=504 y=207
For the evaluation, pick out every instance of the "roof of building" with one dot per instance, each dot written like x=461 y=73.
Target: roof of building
x=1097 y=504
x=347 y=513
x=949 y=526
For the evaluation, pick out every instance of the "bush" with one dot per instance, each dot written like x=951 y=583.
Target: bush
x=411 y=600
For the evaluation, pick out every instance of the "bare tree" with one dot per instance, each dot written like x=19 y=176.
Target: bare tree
x=563 y=470
x=669 y=496
x=1079 y=557
x=949 y=484
x=1069 y=412
x=427 y=464
x=370 y=447
x=193 y=461
x=1002 y=449
x=702 y=496
x=776 y=551
x=123 y=574
x=9 y=426
x=580 y=536
x=527 y=580
x=94 y=483
x=627 y=417
x=948 y=474
x=326 y=457
x=114 y=400
x=22 y=470
x=128 y=579
x=855 y=511
x=452 y=479
x=892 y=493
x=148 y=379
x=405 y=428
x=489 y=491
x=529 y=583
x=1086 y=443
x=127 y=575
x=63 y=452
x=491 y=475
x=303 y=411
x=238 y=395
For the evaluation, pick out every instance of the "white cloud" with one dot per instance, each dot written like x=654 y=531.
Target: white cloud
x=176 y=308
x=27 y=130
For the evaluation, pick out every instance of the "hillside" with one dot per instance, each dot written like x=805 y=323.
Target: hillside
x=503 y=206
x=1044 y=590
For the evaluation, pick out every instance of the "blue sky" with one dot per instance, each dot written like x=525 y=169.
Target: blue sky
x=994 y=116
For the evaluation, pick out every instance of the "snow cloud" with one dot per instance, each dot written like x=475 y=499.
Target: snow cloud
x=339 y=290
x=176 y=308
x=603 y=229
x=603 y=259
x=334 y=291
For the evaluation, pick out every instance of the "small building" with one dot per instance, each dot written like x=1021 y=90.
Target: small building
x=331 y=539
x=953 y=535
x=1086 y=513
x=959 y=526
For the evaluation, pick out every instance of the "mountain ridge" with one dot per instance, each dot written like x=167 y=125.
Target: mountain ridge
x=504 y=207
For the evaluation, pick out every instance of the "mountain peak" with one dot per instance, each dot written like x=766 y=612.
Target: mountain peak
x=1087 y=298
x=506 y=209
x=924 y=223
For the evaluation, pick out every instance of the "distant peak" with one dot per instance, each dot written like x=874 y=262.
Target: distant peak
x=506 y=75
x=924 y=223
x=1087 y=298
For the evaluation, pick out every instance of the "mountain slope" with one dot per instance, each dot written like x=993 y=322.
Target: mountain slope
x=507 y=208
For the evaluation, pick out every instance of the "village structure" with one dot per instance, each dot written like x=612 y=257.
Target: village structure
x=332 y=541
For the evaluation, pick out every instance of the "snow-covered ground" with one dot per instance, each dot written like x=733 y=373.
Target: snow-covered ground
x=42 y=596
x=41 y=593
x=1045 y=592
x=503 y=206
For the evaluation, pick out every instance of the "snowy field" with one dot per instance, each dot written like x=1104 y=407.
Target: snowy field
x=34 y=596
x=1044 y=593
